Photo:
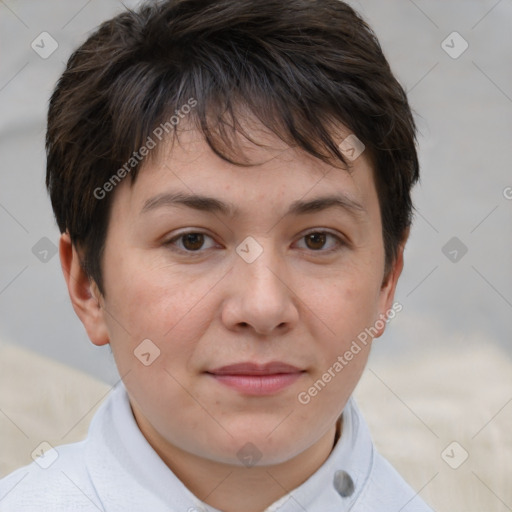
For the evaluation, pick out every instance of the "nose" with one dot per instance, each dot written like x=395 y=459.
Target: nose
x=260 y=296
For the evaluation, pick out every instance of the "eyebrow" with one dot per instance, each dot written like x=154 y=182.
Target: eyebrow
x=213 y=205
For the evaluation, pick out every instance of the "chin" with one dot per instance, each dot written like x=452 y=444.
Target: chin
x=255 y=447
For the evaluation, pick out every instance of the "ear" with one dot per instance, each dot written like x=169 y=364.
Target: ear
x=83 y=292
x=387 y=291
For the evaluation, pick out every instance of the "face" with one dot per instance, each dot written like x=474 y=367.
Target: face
x=249 y=286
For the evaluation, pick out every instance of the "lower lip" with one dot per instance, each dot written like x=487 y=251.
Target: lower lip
x=258 y=385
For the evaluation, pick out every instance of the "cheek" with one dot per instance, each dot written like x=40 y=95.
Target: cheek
x=157 y=296
x=345 y=304
x=158 y=304
x=156 y=321
x=349 y=306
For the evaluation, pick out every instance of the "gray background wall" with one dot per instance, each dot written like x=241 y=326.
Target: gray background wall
x=464 y=113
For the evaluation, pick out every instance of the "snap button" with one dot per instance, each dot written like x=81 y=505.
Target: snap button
x=343 y=483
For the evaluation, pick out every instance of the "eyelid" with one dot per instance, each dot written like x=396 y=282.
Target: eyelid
x=340 y=240
x=177 y=236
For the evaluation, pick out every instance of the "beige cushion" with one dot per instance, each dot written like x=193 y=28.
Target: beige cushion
x=416 y=408
x=41 y=400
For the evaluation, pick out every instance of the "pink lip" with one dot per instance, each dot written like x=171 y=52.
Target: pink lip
x=257 y=379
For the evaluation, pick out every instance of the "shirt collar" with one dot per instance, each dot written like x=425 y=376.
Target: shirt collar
x=142 y=476
x=337 y=484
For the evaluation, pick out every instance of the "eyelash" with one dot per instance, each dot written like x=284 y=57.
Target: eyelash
x=340 y=243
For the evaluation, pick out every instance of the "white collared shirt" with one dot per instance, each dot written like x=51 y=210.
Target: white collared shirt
x=115 y=469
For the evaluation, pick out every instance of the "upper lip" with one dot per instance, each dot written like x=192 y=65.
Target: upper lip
x=249 y=368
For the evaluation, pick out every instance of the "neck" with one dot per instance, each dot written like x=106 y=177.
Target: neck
x=232 y=488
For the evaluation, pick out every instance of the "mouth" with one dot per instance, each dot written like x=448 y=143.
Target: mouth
x=257 y=379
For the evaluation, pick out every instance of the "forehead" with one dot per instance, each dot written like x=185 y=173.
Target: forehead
x=277 y=175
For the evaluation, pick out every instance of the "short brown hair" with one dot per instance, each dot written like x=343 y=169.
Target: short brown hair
x=298 y=65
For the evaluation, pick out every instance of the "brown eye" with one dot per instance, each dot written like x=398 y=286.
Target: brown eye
x=316 y=241
x=193 y=241
x=322 y=242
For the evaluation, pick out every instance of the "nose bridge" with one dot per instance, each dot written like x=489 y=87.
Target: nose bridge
x=259 y=266
x=263 y=299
